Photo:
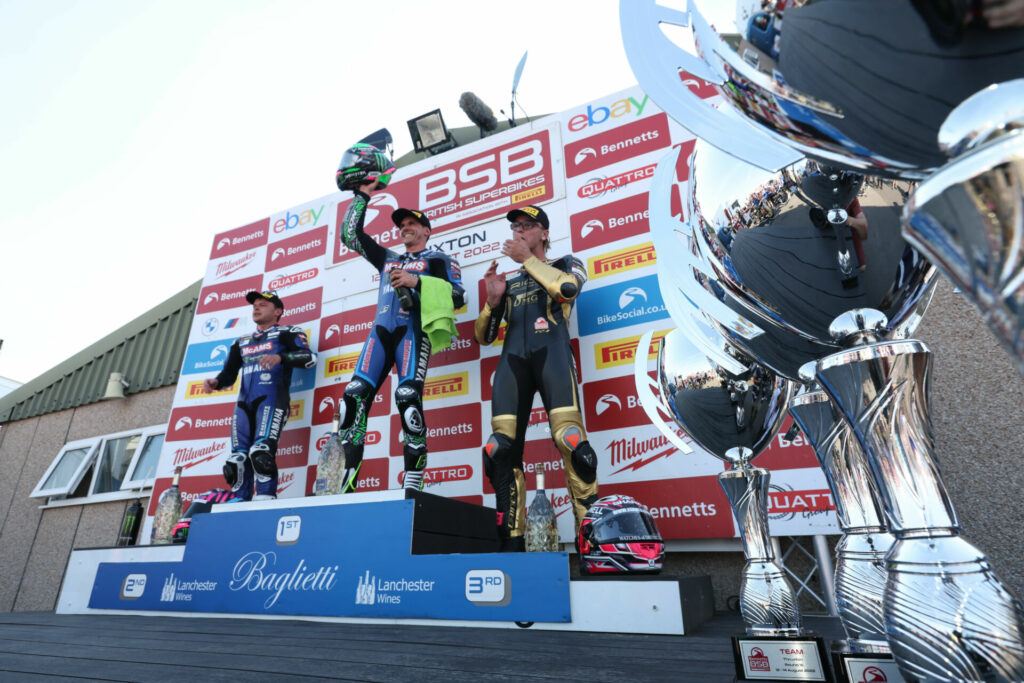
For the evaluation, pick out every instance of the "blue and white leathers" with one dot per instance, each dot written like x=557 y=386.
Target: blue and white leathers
x=263 y=405
x=396 y=338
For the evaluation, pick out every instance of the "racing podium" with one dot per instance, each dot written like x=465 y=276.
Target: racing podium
x=370 y=557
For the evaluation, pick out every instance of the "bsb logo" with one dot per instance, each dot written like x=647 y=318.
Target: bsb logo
x=298 y=220
x=627 y=303
x=617 y=144
x=240 y=239
x=297 y=249
x=227 y=295
x=610 y=222
x=624 y=109
x=621 y=260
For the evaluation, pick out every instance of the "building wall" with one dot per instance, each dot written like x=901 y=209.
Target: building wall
x=35 y=544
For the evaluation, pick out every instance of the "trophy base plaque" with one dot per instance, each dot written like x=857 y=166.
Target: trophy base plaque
x=854 y=667
x=781 y=658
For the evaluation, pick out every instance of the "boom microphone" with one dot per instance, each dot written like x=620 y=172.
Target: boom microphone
x=478 y=112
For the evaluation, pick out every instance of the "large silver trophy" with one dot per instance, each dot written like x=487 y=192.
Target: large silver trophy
x=734 y=413
x=821 y=101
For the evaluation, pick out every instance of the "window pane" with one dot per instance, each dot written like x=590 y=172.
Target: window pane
x=62 y=473
x=113 y=462
x=146 y=467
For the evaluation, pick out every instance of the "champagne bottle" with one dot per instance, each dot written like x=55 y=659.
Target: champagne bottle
x=541 y=525
x=331 y=463
x=168 y=511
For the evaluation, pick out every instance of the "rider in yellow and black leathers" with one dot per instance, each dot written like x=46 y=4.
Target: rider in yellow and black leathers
x=536 y=302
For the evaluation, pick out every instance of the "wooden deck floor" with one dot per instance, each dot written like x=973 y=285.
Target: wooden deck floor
x=41 y=646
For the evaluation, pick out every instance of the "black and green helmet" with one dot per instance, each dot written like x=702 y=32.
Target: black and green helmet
x=362 y=163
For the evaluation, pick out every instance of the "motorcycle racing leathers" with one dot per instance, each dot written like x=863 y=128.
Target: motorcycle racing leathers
x=535 y=356
x=396 y=338
x=263 y=406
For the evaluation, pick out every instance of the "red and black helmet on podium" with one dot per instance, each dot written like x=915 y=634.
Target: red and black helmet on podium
x=618 y=535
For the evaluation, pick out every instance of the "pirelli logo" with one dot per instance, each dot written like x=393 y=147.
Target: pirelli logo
x=621 y=351
x=445 y=386
x=296 y=409
x=345 y=364
x=621 y=260
x=195 y=390
x=527 y=195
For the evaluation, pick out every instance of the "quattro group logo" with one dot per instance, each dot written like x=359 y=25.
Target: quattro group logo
x=240 y=239
x=615 y=145
x=620 y=305
x=599 y=186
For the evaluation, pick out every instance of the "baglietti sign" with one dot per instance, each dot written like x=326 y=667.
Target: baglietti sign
x=275 y=562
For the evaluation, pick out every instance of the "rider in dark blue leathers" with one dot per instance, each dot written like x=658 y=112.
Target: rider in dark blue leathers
x=396 y=336
x=265 y=359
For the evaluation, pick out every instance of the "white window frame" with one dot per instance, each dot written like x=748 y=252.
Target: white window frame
x=73 y=482
x=96 y=445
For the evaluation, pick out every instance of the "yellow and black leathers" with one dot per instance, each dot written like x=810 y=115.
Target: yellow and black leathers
x=536 y=356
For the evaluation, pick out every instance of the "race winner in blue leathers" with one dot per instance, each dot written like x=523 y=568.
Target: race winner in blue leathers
x=265 y=359
x=396 y=337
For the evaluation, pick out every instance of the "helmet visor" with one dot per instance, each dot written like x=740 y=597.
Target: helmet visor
x=629 y=525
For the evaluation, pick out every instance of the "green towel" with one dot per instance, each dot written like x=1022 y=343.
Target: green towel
x=437 y=312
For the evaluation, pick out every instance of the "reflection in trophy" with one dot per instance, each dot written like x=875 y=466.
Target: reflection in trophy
x=734 y=414
x=860 y=574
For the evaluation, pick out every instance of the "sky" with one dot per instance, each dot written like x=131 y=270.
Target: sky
x=132 y=131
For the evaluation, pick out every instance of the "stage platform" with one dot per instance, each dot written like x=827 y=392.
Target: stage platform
x=39 y=646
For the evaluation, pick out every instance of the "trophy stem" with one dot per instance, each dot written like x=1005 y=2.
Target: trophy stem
x=767 y=601
x=860 y=574
x=947 y=616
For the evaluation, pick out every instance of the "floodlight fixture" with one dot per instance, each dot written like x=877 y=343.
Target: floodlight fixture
x=429 y=134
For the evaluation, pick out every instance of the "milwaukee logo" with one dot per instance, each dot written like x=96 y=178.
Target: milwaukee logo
x=624 y=450
x=446 y=385
x=596 y=187
x=282 y=281
x=234 y=265
x=341 y=365
x=195 y=390
x=621 y=351
x=621 y=260
x=187 y=457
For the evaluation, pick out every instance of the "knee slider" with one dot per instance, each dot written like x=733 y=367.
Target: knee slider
x=497 y=451
x=234 y=470
x=584 y=460
x=409 y=403
x=355 y=393
x=263 y=463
